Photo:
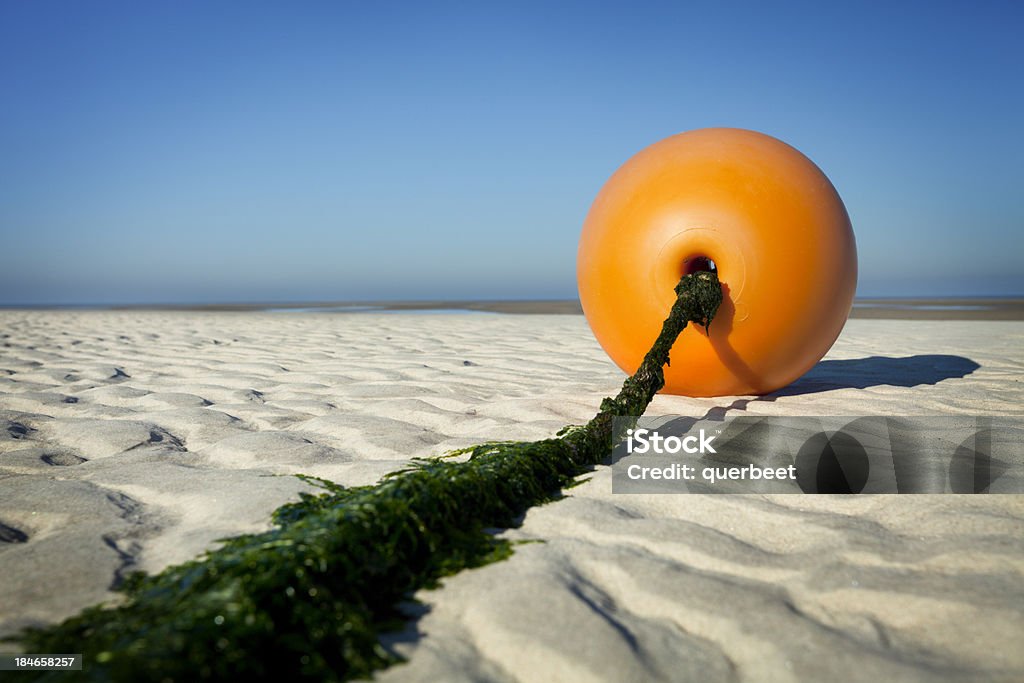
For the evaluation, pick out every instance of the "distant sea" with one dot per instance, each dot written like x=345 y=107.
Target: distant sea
x=918 y=308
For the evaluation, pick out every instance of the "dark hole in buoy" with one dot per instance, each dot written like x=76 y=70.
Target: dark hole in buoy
x=697 y=264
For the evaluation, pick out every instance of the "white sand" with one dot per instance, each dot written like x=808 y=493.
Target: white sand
x=136 y=439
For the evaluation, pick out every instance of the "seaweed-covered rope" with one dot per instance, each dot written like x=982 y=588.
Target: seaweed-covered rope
x=310 y=597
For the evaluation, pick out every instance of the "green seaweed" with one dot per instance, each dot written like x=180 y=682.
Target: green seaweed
x=310 y=597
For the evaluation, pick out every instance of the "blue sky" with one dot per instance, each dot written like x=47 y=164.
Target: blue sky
x=247 y=151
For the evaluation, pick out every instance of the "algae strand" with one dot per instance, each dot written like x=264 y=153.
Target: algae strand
x=310 y=597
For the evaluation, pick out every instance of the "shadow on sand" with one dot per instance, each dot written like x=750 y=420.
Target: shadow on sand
x=862 y=373
x=874 y=371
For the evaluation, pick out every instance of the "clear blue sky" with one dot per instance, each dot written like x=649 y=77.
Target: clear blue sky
x=246 y=151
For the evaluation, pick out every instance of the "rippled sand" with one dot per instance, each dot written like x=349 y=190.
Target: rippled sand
x=131 y=440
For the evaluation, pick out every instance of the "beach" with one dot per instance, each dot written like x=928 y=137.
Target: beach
x=135 y=439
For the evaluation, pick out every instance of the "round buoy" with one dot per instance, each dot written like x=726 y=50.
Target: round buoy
x=753 y=209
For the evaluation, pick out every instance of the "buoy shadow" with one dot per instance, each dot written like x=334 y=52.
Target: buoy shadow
x=860 y=373
x=876 y=371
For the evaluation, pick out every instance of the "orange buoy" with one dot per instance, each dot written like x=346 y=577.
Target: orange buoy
x=747 y=205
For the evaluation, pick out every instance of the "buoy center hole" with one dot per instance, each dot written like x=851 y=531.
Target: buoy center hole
x=697 y=264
